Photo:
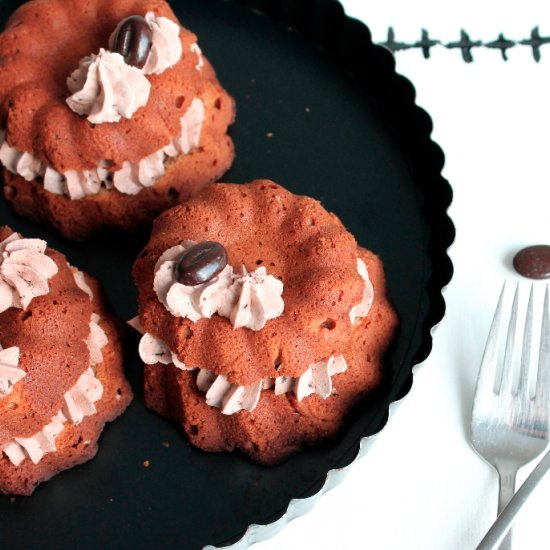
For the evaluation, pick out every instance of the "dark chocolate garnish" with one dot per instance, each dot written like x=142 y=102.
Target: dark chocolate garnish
x=533 y=262
x=133 y=41
x=201 y=263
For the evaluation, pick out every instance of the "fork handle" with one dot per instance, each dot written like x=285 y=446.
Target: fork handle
x=507 y=486
x=507 y=518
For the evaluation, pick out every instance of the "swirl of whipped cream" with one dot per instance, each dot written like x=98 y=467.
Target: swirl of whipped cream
x=24 y=271
x=106 y=89
x=96 y=341
x=230 y=398
x=191 y=127
x=77 y=184
x=152 y=351
x=133 y=177
x=254 y=299
x=78 y=403
x=10 y=372
x=247 y=300
x=18 y=162
x=317 y=379
x=362 y=309
x=81 y=283
x=166 y=49
x=80 y=400
x=195 y=48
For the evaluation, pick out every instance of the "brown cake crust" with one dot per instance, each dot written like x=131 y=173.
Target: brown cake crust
x=33 y=73
x=311 y=251
x=50 y=334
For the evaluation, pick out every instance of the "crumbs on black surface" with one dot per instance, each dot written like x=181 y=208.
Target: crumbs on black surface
x=269 y=134
x=166 y=444
x=146 y=463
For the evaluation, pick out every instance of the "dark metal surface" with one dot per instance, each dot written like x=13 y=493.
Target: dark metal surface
x=334 y=123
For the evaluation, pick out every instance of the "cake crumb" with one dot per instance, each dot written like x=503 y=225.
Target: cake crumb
x=146 y=463
x=308 y=110
x=12 y=499
x=269 y=134
x=166 y=444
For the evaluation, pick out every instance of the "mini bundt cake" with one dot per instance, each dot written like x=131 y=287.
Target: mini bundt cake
x=61 y=370
x=263 y=322
x=109 y=114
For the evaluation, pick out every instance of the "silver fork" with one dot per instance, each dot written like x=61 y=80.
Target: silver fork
x=510 y=427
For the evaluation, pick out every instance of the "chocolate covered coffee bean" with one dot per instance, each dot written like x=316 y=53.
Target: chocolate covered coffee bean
x=201 y=263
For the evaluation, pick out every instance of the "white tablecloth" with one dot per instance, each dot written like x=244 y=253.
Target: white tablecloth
x=421 y=486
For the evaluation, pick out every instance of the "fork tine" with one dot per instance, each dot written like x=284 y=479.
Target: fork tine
x=486 y=377
x=508 y=365
x=543 y=377
x=523 y=384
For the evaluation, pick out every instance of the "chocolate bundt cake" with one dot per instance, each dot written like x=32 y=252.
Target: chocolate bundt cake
x=61 y=371
x=109 y=114
x=263 y=321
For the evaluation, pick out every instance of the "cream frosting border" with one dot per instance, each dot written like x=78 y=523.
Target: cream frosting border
x=248 y=299
x=79 y=402
x=232 y=398
x=130 y=179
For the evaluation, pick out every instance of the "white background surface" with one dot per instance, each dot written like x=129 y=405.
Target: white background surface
x=421 y=486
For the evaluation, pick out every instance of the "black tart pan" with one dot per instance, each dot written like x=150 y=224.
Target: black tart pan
x=322 y=112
